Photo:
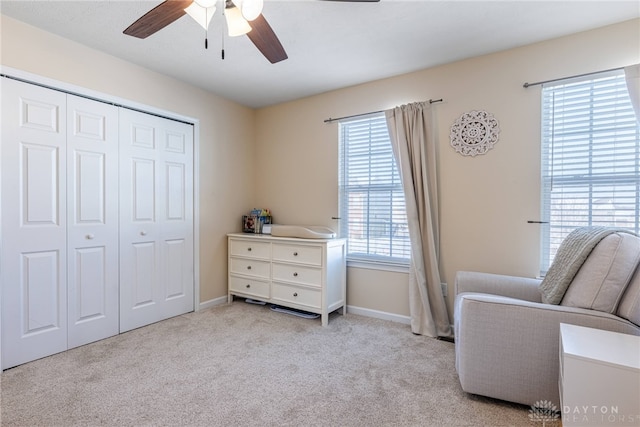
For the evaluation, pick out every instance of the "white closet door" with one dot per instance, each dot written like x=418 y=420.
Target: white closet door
x=33 y=254
x=156 y=219
x=92 y=220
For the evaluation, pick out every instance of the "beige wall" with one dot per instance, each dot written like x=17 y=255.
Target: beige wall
x=285 y=158
x=226 y=129
x=485 y=201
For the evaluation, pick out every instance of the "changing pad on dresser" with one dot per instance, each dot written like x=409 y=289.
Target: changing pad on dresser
x=302 y=231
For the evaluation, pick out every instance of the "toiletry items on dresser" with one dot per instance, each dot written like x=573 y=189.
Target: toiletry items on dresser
x=255 y=221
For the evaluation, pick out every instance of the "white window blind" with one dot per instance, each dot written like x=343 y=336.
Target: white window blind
x=590 y=158
x=372 y=206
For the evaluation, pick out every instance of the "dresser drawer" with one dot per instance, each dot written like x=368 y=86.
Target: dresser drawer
x=301 y=296
x=251 y=249
x=301 y=254
x=249 y=287
x=250 y=267
x=297 y=274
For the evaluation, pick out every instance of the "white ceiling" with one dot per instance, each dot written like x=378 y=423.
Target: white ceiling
x=330 y=44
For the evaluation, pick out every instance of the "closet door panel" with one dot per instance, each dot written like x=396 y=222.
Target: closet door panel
x=90 y=183
x=92 y=171
x=40 y=284
x=142 y=286
x=174 y=266
x=40 y=184
x=156 y=219
x=33 y=217
x=143 y=179
x=176 y=158
x=91 y=278
x=176 y=191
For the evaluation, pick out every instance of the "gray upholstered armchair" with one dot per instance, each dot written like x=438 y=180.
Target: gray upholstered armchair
x=507 y=338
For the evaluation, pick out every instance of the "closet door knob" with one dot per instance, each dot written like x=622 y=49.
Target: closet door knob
x=248 y=267
x=89 y=236
x=295 y=274
x=295 y=294
x=295 y=254
x=248 y=286
x=249 y=249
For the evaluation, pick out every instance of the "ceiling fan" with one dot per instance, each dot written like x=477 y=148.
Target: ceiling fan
x=242 y=16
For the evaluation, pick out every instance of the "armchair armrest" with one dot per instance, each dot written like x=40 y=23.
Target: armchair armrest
x=507 y=348
x=524 y=288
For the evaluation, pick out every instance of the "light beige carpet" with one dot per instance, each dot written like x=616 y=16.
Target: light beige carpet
x=245 y=365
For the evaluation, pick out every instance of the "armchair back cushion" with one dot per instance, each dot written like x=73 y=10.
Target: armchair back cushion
x=603 y=278
x=629 y=307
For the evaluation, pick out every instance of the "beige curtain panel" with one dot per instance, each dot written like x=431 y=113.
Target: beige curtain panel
x=415 y=150
x=632 y=75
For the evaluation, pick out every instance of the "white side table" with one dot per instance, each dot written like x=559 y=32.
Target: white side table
x=599 y=377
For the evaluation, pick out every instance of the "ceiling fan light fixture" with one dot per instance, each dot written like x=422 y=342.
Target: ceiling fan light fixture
x=205 y=3
x=202 y=15
x=250 y=9
x=237 y=25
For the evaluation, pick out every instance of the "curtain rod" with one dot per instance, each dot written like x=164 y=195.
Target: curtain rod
x=330 y=120
x=526 y=85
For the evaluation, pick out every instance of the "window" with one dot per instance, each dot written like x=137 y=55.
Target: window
x=590 y=158
x=372 y=206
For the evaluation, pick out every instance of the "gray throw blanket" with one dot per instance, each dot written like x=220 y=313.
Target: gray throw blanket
x=572 y=253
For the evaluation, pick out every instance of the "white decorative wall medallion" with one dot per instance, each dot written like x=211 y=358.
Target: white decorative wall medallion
x=474 y=133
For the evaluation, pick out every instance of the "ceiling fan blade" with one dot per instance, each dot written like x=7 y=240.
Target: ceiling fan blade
x=157 y=18
x=266 y=41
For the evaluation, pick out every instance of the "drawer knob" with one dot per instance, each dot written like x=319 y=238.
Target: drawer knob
x=248 y=267
x=249 y=249
x=295 y=274
x=295 y=254
x=248 y=285
x=295 y=294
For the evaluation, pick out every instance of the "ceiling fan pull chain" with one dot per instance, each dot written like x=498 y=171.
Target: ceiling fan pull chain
x=222 y=34
x=206 y=30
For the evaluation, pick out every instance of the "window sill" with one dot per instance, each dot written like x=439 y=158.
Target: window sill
x=397 y=267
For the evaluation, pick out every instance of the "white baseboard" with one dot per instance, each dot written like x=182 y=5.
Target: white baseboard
x=379 y=314
x=213 y=302
x=361 y=311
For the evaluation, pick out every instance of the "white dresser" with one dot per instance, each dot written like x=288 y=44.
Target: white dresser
x=305 y=274
x=599 y=377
